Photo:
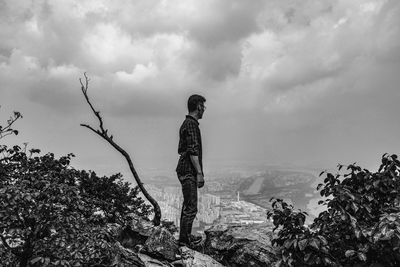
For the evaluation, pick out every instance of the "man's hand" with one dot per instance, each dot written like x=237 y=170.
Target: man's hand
x=200 y=180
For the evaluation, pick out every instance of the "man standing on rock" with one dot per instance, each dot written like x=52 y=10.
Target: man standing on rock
x=190 y=168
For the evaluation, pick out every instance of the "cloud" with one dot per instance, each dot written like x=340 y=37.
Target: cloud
x=297 y=72
x=218 y=22
x=217 y=63
x=225 y=45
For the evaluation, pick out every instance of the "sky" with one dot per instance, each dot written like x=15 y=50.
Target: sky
x=296 y=83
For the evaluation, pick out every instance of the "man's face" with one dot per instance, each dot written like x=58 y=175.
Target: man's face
x=201 y=108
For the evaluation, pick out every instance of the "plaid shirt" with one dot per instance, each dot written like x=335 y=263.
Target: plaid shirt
x=189 y=144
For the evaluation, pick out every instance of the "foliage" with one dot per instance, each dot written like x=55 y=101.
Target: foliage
x=7 y=129
x=300 y=245
x=52 y=214
x=113 y=197
x=361 y=226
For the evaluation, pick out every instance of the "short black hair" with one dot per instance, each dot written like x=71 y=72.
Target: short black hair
x=194 y=101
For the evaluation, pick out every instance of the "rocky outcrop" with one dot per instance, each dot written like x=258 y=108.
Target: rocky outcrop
x=162 y=244
x=241 y=245
x=135 y=234
x=125 y=257
x=142 y=244
x=151 y=262
x=192 y=258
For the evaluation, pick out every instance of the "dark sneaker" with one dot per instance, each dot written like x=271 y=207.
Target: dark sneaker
x=183 y=244
x=195 y=239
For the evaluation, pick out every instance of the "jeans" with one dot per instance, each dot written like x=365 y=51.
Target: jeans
x=189 y=207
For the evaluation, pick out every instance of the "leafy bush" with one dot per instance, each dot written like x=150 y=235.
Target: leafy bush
x=300 y=246
x=52 y=214
x=361 y=226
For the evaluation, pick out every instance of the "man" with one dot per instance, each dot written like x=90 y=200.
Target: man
x=190 y=168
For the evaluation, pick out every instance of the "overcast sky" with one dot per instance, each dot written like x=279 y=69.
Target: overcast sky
x=301 y=82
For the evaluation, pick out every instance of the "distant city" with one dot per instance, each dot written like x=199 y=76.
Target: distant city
x=213 y=208
x=238 y=197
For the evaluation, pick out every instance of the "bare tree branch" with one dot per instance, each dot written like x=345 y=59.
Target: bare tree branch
x=103 y=133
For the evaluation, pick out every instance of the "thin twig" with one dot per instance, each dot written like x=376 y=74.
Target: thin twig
x=84 y=91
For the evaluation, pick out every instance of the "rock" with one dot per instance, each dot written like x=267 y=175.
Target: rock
x=125 y=257
x=128 y=237
x=191 y=258
x=135 y=234
x=241 y=245
x=114 y=229
x=162 y=244
x=141 y=225
x=132 y=239
x=150 y=262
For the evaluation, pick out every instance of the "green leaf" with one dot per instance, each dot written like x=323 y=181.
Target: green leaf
x=322 y=192
x=384 y=229
x=35 y=260
x=307 y=257
x=295 y=243
x=354 y=207
x=302 y=244
x=327 y=261
x=368 y=208
x=349 y=253
x=46 y=261
x=314 y=243
x=353 y=221
x=288 y=243
x=362 y=256
x=357 y=233
x=323 y=240
x=388 y=235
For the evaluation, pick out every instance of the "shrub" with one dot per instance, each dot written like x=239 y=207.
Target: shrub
x=361 y=226
x=52 y=214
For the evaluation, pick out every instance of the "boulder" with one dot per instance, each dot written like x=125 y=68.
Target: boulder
x=142 y=225
x=129 y=238
x=125 y=257
x=162 y=244
x=241 y=245
x=192 y=258
x=135 y=234
x=114 y=229
x=151 y=262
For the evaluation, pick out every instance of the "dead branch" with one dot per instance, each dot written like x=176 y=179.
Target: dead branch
x=103 y=133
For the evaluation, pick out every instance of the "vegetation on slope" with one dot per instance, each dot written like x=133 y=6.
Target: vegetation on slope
x=54 y=215
x=361 y=226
